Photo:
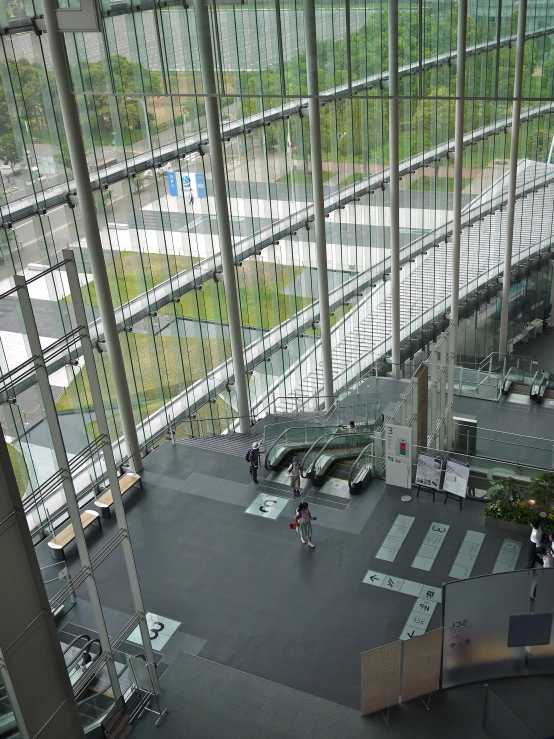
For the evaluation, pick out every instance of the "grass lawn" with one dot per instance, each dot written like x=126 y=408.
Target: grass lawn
x=442 y=184
x=356 y=177
x=125 y=273
x=262 y=301
x=141 y=356
x=19 y=468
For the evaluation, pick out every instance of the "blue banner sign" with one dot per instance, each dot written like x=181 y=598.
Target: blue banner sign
x=172 y=183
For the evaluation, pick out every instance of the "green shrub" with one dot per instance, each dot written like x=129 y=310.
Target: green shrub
x=518 y=511
x=541 y=490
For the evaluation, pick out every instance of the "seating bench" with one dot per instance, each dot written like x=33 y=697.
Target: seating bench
x=126 y=482
x=67 y=535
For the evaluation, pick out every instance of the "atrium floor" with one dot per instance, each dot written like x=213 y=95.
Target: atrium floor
x=247 y=594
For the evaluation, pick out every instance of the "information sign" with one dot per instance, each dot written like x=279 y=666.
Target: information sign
x=456 y=477
x=429 y=470
x=399 y=455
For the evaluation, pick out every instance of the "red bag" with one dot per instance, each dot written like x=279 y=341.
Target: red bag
x=292 y=525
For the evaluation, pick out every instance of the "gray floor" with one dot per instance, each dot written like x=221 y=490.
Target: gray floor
x=206 y=700
x=541 y=349
x=263 y=603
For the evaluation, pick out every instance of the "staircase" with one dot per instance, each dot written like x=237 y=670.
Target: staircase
x=425 y=284
x=234 y=444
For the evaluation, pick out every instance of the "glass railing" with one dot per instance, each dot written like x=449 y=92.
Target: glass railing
x=339 y=446
x=291 y=439
x=362 y=468
x=8 y=725
x=94 y=707
x=363 y=408
x=55 y=578
x=518 y=376
x=477 y=383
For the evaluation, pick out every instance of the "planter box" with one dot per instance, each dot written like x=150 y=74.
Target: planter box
x=513 y=528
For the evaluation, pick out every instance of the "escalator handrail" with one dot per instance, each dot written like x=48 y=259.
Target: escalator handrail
x=278 y=439
x=324 y=447
x=350 y=476
x=75 y=640
x=533 y=384
x=352 y=437
x=86 y=648
x=317 y=441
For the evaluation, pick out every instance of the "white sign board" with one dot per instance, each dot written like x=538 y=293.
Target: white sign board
x=455 y=478
x=398 y=450
x=428 y=471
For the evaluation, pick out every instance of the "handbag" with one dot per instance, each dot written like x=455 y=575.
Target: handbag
x=292 y=525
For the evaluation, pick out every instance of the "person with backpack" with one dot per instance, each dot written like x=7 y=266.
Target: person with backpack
x=294 y=471
x=253 y=456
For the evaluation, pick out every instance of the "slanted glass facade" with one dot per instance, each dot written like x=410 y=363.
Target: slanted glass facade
x=138 y=86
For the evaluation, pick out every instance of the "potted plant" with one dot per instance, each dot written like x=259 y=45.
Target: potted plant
x=511 y=506
x=541 y=491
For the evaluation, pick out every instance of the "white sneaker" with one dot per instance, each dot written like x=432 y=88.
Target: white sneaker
x=302 y=540
x=311 y=544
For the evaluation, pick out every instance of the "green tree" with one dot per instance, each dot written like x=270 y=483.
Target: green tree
x=8 y=150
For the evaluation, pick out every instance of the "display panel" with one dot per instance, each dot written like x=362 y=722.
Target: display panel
x=476 y=617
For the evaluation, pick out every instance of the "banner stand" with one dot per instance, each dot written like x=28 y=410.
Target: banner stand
x=388 y=704
x=430 y=693
x=452 y=496
x=426 y=489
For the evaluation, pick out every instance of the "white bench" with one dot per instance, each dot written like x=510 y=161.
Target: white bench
x=104 y=501
x=67 y=535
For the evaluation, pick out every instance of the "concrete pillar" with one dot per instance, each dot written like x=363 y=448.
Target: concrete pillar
x=32 y=666
x=81 y=175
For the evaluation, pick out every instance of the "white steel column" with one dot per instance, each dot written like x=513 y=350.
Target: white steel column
x=442 y=346
x=457 y=209
x=551 y=267
x=102 y=421
x=222 y=210
x=310 y=34
x=77 y=153
x=434 y=386
x=394 y=187
x=60 y=454
x=512 y=181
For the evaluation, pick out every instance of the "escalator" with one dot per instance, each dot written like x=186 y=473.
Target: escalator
x=291 y=442
x=94 y=699
x=335 y=456
x=8 y=727
x=537 y=386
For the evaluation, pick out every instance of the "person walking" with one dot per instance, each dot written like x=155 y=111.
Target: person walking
x=303 y=521
x=535 y=540
x=546 y=557
x=294 y=471
x=253 y=457
x=351 y=431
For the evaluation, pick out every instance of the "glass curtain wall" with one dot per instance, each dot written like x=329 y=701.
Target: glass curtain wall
x=139 y=91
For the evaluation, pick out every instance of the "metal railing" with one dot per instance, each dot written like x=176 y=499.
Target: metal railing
x=339 y=446
x=291 y=438
x=362 y=468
